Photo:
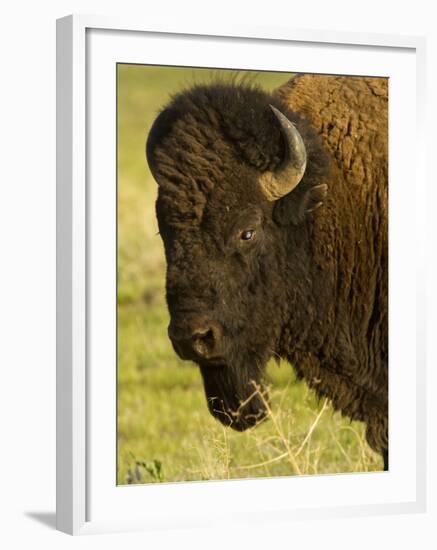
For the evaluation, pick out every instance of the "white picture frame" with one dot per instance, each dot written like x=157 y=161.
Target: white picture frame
x=78 y=372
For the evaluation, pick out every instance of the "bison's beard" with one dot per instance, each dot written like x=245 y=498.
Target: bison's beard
x=235 y=395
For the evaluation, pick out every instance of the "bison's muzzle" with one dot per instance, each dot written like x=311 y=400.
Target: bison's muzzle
x=196 y=338
x=235 y=400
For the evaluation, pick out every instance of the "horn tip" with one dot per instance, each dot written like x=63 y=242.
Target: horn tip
x=281 y=117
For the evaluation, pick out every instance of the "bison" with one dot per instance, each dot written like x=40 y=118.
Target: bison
x=273 y=213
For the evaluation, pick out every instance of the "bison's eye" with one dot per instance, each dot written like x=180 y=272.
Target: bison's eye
x=247 y=234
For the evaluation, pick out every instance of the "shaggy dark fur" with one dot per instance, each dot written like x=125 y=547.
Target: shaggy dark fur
x=311 y=285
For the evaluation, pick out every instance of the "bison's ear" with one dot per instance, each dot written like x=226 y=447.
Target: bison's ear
x=297 y=205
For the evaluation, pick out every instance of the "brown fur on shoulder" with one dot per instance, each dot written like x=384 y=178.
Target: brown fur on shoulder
x=350 y=361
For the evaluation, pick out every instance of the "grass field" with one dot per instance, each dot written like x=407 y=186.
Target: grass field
x=165 y=432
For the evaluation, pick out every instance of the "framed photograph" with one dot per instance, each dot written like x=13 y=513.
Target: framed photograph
x=238 y=323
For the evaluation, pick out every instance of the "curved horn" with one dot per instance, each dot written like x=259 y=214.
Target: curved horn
x=286 y=177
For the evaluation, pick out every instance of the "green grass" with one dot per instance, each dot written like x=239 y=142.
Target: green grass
x=165 y=432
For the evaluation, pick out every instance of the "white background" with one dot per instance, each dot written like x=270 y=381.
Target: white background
x=27 y=218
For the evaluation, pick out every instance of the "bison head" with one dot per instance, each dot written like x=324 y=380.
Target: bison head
x=225 y=158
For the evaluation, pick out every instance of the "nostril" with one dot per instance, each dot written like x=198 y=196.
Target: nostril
x=205 y=341
x=195 y=340
x=205 y=335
